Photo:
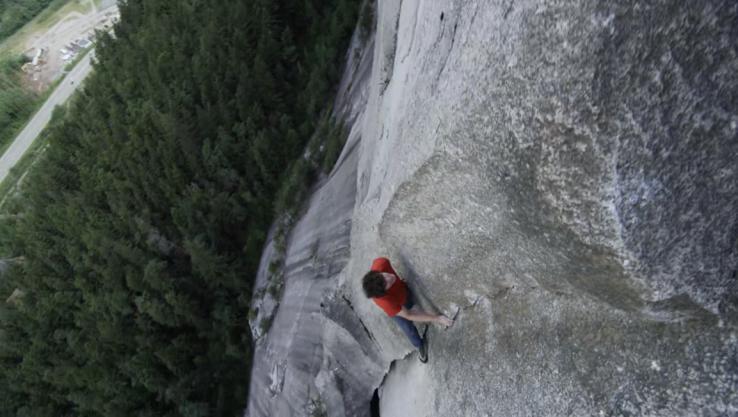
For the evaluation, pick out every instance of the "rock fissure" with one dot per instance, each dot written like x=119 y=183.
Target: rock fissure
x=363 y=325
x=508 y=9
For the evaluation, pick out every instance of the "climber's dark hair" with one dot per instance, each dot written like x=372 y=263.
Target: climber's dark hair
x=373 y=284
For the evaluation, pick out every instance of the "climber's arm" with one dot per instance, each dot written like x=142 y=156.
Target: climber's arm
x=421 y=316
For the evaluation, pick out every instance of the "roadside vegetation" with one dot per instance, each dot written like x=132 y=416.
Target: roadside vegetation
x=73 y=63
x=20 y=19
x=137 y=237
x=16 y=13
x=17 y=103
x=10 y=204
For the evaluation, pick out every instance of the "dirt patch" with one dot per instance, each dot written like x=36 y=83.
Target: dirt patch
x=52 y=49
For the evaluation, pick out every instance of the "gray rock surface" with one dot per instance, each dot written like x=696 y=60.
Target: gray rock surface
x=562 y=174
x=317 y=352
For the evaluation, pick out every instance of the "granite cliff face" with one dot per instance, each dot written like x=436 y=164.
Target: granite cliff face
x=562 y=174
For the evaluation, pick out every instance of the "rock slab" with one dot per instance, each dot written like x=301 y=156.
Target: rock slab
x=562 y=174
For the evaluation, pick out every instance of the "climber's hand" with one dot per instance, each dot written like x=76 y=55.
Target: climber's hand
x=443 y=320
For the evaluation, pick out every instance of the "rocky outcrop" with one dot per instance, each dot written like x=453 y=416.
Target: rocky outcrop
x=562 y=175
x=318 y=354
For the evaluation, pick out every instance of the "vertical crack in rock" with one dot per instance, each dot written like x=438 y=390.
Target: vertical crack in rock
x=447 y=45
x=508 y=9
x=410 y=43
x=366 y=329
x=387 y=36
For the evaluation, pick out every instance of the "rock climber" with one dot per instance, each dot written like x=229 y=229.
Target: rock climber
x=391 y=294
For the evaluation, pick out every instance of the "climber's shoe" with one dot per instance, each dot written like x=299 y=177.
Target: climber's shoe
x=423 y=352
x=423 y=349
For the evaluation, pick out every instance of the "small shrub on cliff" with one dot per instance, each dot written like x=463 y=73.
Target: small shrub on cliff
x=253 y=313
x=316 y=408
x=366 y=19
x=265 y=324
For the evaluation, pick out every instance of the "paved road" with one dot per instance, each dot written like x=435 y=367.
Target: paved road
x=39 y=121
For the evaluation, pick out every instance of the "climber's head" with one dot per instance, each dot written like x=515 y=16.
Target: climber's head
x=374 y=284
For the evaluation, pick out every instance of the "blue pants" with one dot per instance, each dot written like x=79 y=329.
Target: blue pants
x=407 y=326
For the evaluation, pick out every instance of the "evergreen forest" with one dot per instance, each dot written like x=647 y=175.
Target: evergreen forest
x=128 y=260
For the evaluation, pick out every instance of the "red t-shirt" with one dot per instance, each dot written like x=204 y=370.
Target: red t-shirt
x=396 y=295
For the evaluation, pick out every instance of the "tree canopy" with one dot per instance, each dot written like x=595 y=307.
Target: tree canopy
x=139 y=233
